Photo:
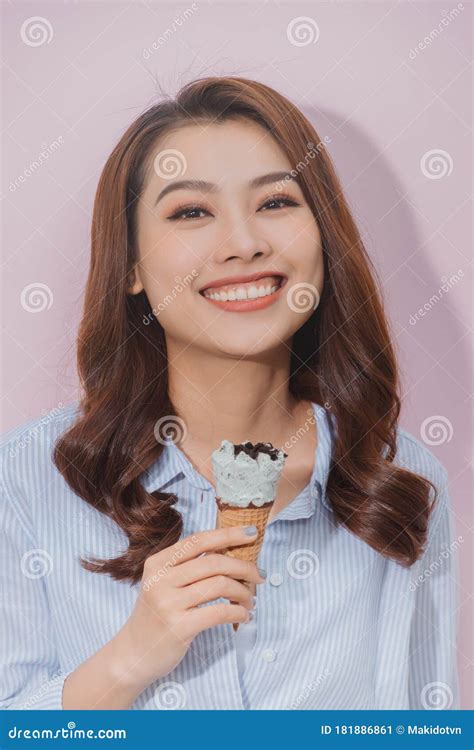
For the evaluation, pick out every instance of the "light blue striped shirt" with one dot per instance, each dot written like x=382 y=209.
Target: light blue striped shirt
x=338 y=626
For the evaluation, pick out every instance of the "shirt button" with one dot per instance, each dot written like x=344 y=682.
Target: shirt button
x=268 y=654
x=276 y=579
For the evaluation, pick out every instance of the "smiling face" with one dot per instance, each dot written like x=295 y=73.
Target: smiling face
x=239 y=224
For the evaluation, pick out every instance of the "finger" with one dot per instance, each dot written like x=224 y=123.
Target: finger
x=202 y=618
x=213 y=565
x=209 y=589
x=203 y=541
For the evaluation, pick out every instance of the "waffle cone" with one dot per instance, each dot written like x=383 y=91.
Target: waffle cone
x=228 y=515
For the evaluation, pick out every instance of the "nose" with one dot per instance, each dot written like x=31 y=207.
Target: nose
x=241 y=241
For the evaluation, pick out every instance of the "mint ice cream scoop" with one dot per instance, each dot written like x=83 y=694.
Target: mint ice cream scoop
x=247 y=474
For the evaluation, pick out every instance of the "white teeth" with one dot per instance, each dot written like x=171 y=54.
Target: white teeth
x=252 y=292
x=242 y=292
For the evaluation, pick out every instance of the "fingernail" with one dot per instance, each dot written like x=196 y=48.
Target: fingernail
x=250 y=615
x=262 y=572
x=254 y=601
x=250 y=530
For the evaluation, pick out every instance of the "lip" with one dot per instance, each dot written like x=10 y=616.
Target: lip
x=248 y=305
x=242 y=279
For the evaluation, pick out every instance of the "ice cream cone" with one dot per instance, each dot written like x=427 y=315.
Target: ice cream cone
x=230 y=515
x=246 y=477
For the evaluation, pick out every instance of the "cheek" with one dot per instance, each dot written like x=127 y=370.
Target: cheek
x=167 y=271
x=312 y=272
x=304 y=290
x=171 y=288
x=303 y=252
x=313 y=263
x=299 y=235
x=310 y=244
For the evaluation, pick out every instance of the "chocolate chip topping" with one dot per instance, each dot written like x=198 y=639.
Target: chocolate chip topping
x=253 y=450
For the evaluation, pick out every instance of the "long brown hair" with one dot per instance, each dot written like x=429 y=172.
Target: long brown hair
x=342 y=356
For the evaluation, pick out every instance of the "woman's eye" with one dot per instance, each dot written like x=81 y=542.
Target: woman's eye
x=185 y=213
x=191 y=212
x=277 y=202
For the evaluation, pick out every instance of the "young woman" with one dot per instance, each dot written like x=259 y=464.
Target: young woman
x=229 y=297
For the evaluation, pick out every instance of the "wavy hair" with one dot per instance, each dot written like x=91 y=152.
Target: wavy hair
x=341 y=357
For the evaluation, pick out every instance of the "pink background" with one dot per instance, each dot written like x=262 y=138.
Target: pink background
x=383 y=101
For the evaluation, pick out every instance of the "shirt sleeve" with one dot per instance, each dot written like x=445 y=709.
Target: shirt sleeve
x=30 y=675
x=433 y=676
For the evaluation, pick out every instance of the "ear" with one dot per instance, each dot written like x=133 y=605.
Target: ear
x=134 y=282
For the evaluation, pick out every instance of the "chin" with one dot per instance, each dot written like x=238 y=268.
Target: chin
x=236 y=344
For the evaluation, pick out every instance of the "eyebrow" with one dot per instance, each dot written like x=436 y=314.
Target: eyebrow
x=211 y=187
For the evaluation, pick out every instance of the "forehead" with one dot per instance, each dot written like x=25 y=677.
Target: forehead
x=231 y=152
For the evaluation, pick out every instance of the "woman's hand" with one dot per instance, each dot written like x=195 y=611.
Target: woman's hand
x=175 y=581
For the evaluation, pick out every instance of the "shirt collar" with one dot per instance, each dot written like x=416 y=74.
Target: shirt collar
x=173 y=464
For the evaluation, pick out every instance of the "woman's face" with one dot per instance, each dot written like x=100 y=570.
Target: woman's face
x=193 y=236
